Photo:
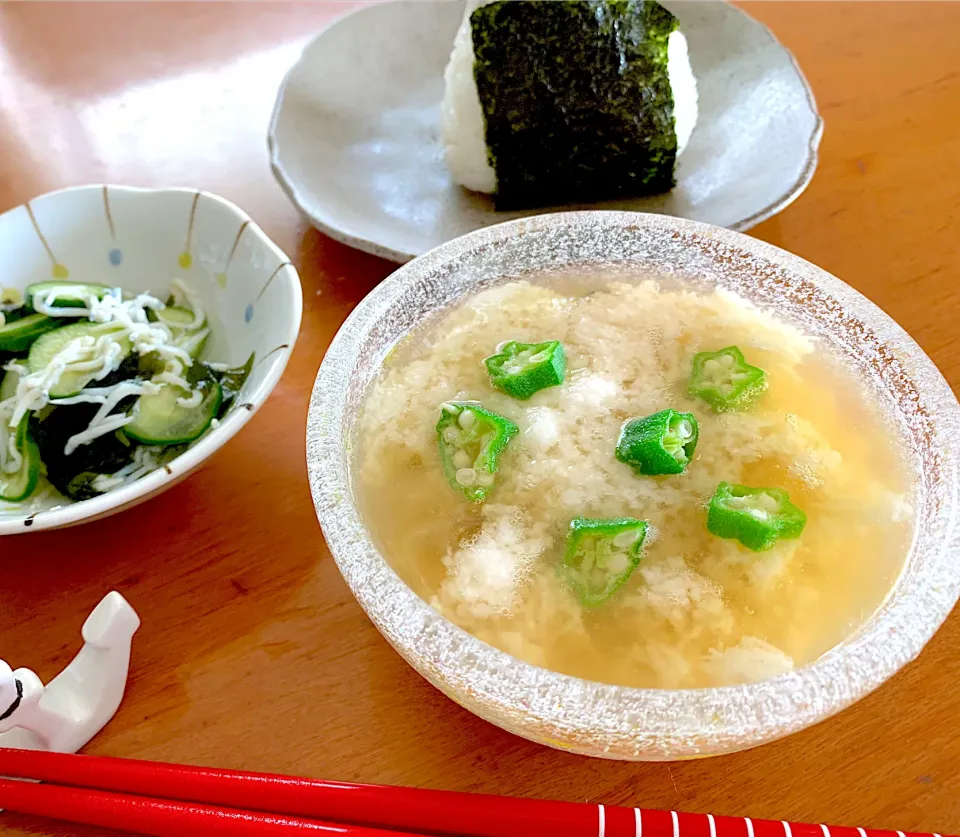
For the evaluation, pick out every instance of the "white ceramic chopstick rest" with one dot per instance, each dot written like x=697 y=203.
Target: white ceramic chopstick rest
x=78 y=702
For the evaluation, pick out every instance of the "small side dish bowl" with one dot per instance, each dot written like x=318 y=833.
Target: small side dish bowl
x=143 y=239
x=614 y=721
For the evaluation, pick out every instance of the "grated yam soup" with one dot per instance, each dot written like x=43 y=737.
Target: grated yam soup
x=699 y=610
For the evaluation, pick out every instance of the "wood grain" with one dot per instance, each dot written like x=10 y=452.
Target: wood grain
x=252 y=652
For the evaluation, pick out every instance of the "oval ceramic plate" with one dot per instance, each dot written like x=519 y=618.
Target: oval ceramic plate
x=358 y=151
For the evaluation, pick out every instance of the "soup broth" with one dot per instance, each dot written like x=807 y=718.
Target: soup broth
x=699 y=610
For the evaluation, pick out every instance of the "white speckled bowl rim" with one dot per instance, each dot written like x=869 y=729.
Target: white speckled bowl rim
x=613 y=721
x=105 y=505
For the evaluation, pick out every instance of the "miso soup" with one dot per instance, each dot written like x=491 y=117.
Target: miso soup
x=715 y=589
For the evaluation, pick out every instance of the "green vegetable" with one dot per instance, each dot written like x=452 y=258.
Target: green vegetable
x=47 y=347
x=231 y=382
x=601 y=555
x=159 y=419
x=19 y=484
x=659 y=444
x=521 y=369
x=471 y=440
x=576 y=99
x=69 y=294
x=192 y=342
x=725 y=380
x=73 y=356
x=81 y=487
x=757 y=517
x=11 y=315
x=8 y=387
x=187 y=335
x=71 y=475
x=17 y=335
x=177 y=319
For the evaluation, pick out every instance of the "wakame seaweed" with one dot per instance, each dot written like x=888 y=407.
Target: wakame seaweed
x=576 y=99
x=73 y=474
x=231 y=382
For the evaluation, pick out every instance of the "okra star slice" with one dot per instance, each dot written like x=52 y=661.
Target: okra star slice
x=757 y=517
x=601 y=555
x=521 y=369
x=725 y=380
x=659 y=444
x=471 y=440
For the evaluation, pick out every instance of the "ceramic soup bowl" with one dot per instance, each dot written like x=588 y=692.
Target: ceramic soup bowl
x=614 y=721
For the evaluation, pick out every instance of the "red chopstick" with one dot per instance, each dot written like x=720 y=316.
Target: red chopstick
x=373 y=806
x=164 y=817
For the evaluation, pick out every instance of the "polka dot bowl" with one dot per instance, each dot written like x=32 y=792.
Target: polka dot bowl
x=140 y=240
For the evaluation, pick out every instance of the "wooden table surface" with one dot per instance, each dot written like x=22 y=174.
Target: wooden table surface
x=252 y=652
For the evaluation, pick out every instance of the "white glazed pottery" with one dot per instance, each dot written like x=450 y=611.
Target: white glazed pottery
x=143 y=239
x=354 y=138
x=73 y=707
x=615 y=721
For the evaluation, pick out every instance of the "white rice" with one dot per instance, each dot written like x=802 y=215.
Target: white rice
x=462 y=132
x=684 y=86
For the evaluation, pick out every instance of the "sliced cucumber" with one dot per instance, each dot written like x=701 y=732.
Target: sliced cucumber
x=47 y=347
x=187 y=335
x=159 y=420
x=19 y=335
x=192 y=342
x=8 y=387
x=20 y=484
x=178 y=319
x=76 y=297
x=11 y=315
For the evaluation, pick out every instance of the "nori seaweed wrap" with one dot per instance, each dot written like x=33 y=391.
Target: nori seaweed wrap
x=576 y=100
